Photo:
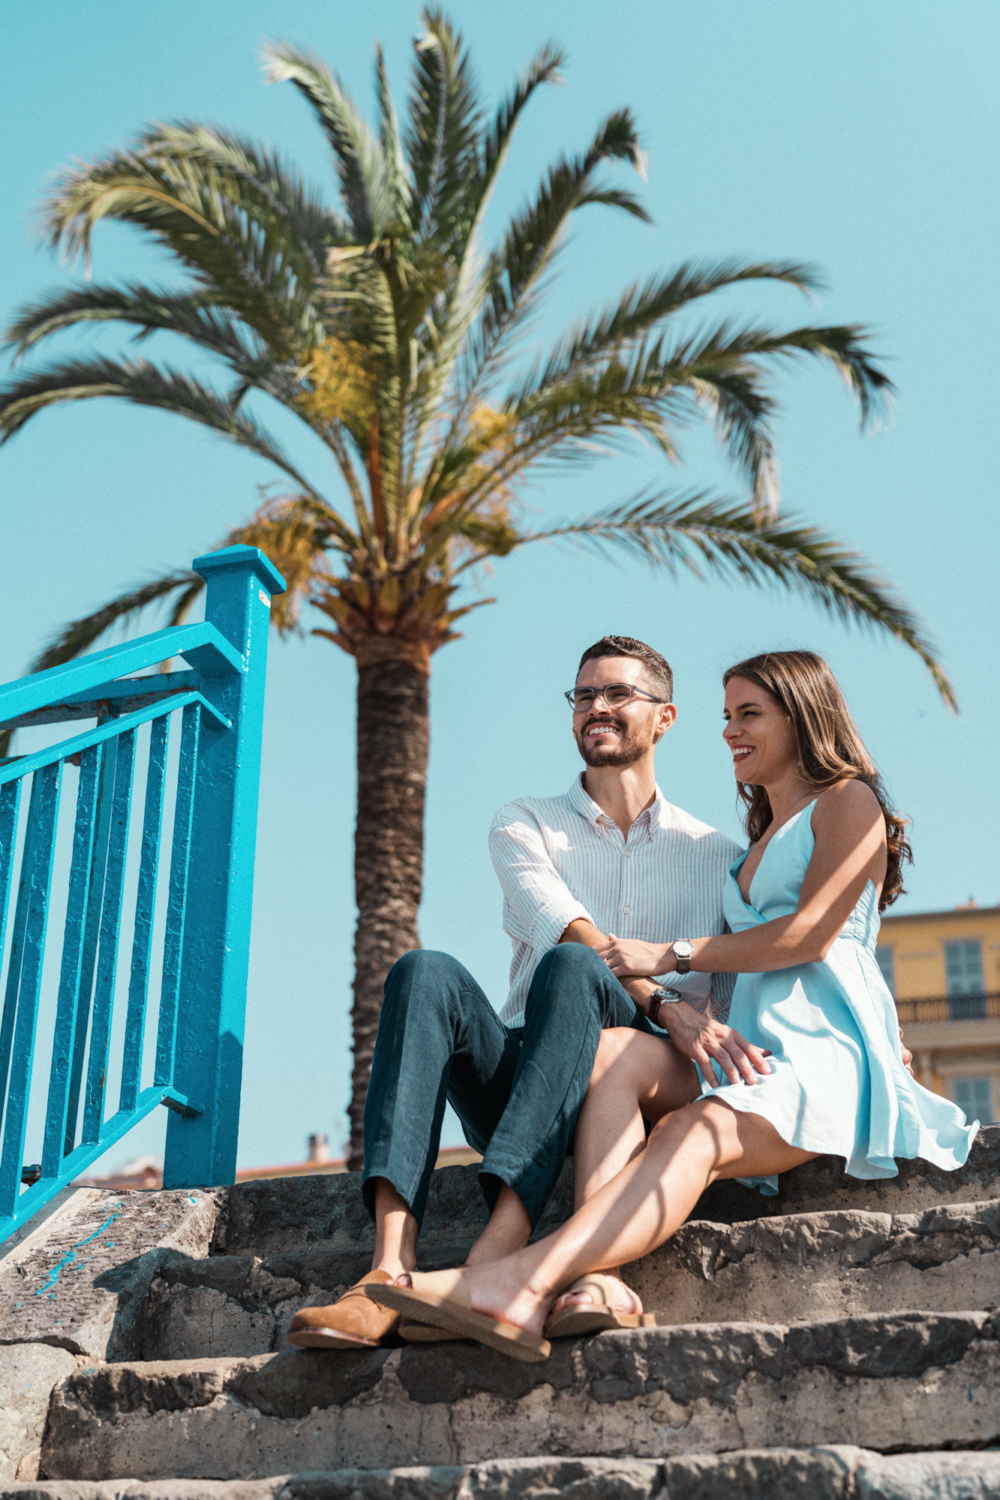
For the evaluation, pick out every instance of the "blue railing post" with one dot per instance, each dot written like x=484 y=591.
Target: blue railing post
x=201 y=1149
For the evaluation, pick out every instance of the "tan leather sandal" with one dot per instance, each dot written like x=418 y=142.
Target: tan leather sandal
x=574 y=1321
x=443 y=1299
x=352 y=1322
x=425 y=1333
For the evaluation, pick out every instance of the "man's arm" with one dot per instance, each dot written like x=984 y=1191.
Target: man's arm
x=581 y=930
x=538 y=904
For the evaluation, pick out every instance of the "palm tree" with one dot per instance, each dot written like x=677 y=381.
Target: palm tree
x=391 y=330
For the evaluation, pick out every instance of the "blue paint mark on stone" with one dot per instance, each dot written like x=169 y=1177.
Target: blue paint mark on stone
x=192 y=1199
x=70 y=1256
x=970 y=1392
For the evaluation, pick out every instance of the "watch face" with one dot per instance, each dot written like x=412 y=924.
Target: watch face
x=683 y=949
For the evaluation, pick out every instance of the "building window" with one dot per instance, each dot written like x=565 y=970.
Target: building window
x=886 y=962
x=974 y=1097
x=963 y=963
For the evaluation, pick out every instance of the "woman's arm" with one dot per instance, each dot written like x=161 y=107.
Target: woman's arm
x=850 y=850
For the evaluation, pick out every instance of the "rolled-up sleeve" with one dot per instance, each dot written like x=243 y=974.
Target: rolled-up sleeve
x=538 y=905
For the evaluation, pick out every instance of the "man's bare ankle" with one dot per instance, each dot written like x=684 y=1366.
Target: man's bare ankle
x=393 y=1265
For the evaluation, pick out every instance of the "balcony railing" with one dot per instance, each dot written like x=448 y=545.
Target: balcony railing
x=182 y=1044
x=950 y=1008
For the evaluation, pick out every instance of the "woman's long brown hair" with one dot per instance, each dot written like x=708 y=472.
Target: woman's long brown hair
x=829 y=747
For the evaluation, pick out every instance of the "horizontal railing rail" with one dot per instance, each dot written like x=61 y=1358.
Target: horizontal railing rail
x=950 y=1008
x=191 y=1059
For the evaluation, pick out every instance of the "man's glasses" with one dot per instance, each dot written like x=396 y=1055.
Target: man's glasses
x=615 y=695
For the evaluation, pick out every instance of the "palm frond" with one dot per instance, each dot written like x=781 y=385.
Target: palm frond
x=143 y=384
x=193 y=315
x=270 y=184
x=74 y=639
x=724 y=368
x=696 y=531
x=533 y=236
x=367 y=185
x=644 y=305
x=544 y=68
x=846 y=347
x=442 y=134
x=179 y=184
x=389 y=136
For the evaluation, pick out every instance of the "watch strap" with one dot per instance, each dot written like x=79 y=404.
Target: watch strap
x=658 y=999
x=682 y=962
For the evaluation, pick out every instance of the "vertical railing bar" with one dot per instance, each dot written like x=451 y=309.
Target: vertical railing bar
x=42 y=812
x=111 y=921
x=72 y=958
x=138 y=989
x=10 y=801
x=9 y=806
x=180 y=855
x=95 y=897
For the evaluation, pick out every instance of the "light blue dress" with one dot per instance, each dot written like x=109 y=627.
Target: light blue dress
x=837 y=1085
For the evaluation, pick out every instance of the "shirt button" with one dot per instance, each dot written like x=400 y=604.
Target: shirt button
x=628 y=854
x=627 y=910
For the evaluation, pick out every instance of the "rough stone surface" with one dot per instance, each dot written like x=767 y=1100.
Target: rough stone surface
x=928 y=1476
x=831 y=1264
x=822 y=1184
x=80 y=1281
x=795 y=1266
x=274 y=1217
x=268 y=1218
x=27 y=1374
x=242 y=1305
x=781 y=1327
x=911 y=1380
x=830 y=1473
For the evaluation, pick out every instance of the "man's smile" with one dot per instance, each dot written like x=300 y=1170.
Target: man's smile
x=598 y=728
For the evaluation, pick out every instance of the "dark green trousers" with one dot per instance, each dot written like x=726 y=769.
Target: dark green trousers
x=517 y=1091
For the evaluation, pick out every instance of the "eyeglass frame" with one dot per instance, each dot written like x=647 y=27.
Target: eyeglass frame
x=600 y=692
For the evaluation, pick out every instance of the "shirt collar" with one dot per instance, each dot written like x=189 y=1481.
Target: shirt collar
x=579 y=799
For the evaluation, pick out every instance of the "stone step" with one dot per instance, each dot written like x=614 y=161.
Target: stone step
x=830 y=1473
x=795 y=1266
x=902 y=1381
x=833 y=1264
x=274 y=1217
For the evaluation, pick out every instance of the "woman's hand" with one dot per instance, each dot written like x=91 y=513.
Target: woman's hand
x=633 y=960
x=706 y=1042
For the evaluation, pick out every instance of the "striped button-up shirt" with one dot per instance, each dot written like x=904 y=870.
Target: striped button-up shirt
x=560 y=858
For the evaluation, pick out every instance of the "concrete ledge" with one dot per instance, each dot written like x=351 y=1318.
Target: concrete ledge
x=268 y=1218
x=79 y=1281
x=829 y=1473
x=896 y=1382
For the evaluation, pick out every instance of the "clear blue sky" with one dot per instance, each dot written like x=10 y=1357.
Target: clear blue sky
x=863 y=138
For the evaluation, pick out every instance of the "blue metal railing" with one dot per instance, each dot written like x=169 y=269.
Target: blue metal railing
x=196 y=1064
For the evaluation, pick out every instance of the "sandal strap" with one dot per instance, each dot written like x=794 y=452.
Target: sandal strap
x=596 y=1281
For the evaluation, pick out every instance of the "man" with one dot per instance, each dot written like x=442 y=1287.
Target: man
x=610 y=855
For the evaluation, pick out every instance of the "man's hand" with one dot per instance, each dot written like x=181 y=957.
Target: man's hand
x=706 y=1042
x=629 y=960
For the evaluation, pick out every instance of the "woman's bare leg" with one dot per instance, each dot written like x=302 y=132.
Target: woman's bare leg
x=635 y=1212
x=636 y=1077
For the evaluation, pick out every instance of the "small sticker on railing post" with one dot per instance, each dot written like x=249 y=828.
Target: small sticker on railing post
x=265 y=599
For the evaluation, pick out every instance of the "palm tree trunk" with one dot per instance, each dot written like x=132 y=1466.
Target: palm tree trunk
x=393 y=742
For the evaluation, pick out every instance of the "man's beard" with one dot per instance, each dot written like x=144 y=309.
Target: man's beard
x=623 y=751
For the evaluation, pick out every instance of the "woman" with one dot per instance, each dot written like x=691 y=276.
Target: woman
x=803 y=903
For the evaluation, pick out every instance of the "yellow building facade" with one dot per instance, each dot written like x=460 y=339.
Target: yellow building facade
x=943 y=967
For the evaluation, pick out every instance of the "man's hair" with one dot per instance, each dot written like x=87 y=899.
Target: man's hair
x=657 y=668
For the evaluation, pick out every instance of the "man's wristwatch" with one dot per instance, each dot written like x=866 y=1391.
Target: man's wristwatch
x=657 y=1000
x=683 y=953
